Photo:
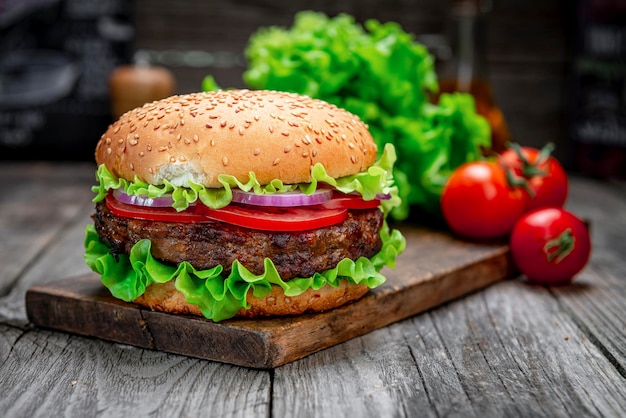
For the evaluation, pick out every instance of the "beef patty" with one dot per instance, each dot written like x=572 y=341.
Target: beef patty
x=205 y=245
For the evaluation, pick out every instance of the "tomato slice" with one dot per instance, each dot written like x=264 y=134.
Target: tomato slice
x=346 y=201
x=153 y=213
x=264 y=219
x=275 y=218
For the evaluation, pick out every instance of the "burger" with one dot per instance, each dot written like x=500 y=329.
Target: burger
x=241 y=203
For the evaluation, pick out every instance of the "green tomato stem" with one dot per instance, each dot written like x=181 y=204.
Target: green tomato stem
x=560 y=247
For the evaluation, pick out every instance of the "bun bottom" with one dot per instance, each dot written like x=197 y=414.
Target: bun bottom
x=165 y=298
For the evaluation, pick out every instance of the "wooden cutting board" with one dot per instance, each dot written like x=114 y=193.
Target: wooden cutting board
x=434 y=269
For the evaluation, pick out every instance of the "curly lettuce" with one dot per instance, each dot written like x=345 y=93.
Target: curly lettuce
x=378 y=72
x=221 y=296
x=376 y=180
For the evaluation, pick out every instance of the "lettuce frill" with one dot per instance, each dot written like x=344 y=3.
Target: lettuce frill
x=218 y=296
x=377 y=179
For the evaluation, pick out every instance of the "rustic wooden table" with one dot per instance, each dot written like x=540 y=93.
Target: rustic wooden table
x=510 y=350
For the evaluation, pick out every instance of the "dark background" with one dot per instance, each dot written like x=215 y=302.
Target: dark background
x=528 y=45
x=532 y=51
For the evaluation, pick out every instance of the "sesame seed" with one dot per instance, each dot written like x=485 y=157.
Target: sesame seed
x=157 y=126
x=276 y=161
x=182 y=121
x=241 y=131
x=132 y=166
x=256 y=118
x=149 y=147
x=305 y=154
x=213 y=116
x=224 y=161
x=120 y=141
x=172 y=159
x=223 y=123
x=117 y=129
x=271 y=128
x=314 y=152
x=151 y=170
x=109 y=151
x=182 y=158
x=350 y=145
x=178 y=137
x=108 y=140
x=287 y=149
x=133 y=128
x=257 y=151
x=161 y=149
x=196 y=138
x=141 y=153
x=213 y=142
x=231 y=126
x=318 y=139
x=284 y=133
x=354 y=159
x=187 y=141
x=133 y=142
x=165 y=126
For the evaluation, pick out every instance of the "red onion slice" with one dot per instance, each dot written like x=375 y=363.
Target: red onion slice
x=286 y=199
x=164 y=201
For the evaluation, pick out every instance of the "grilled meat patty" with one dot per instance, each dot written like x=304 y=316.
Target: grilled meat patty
x=205 y=245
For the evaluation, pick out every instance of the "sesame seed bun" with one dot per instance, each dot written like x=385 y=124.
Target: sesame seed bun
x=200 y=136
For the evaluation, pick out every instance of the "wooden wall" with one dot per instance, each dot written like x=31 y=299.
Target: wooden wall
x=528 y=48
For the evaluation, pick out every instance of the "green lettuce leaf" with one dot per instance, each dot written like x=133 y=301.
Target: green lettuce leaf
x=377 y=179
x=378 y=72
x=220 y=297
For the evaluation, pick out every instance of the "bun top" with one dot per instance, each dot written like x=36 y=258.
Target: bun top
x=202 y=135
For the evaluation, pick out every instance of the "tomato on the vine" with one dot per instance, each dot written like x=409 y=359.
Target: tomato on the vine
x=550 y=245
x=478 y=201
x=544 y=174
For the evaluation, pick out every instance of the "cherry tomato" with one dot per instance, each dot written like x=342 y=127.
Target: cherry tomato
x=260 y=218
x=545 y=175
x=478 y=202
x=550 y=245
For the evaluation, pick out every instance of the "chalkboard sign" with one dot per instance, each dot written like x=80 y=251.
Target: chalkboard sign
x=55 y=59
x=598 y=123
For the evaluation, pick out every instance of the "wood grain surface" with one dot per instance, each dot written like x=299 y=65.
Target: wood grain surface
x=511 y=349
x=435 y=269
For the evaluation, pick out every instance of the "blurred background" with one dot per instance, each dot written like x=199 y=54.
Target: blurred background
x=556 y=68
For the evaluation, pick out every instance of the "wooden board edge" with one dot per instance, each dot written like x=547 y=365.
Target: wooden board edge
x=263 y=343
x=101 y=316
x=382 y=310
